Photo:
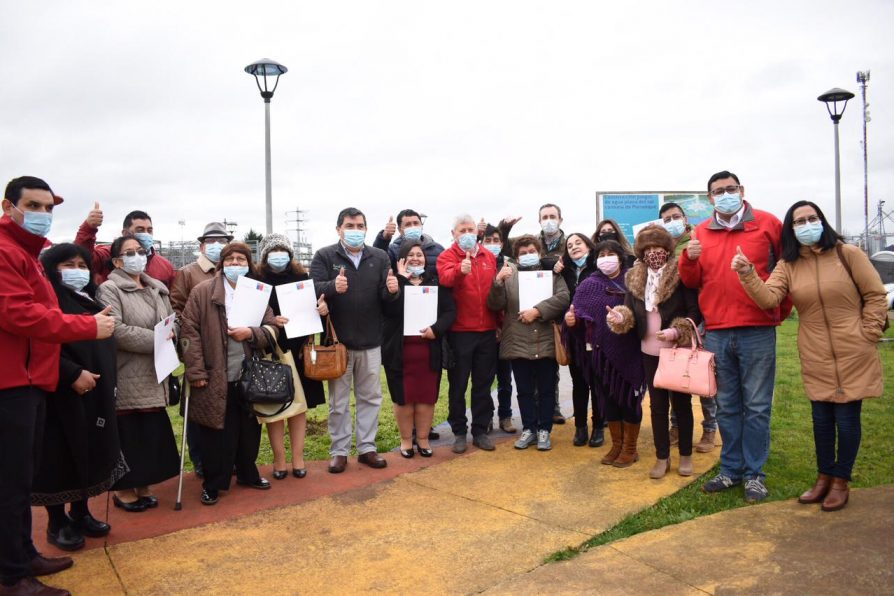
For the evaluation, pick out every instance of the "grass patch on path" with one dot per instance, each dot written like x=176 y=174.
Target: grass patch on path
x=791 y=467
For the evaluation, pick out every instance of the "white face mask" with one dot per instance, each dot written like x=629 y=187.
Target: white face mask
x=549 y=226
x=134 y=265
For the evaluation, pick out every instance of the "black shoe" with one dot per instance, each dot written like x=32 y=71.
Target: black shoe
x=433 y=435
x=260 y=484
x=597 y=438
x=209 y=497
x=66 y=538
x=134 y=507
x=299 y=472
x=407 y=453
x=90 y=526
x=149 y=501
x=280 y=474
x=580 y=436
x=424 y=452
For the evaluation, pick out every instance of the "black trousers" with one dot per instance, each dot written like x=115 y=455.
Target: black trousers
x=582 y=396
x=660 y=402
x=475 y=356
x=237 y=443
x=22 y=414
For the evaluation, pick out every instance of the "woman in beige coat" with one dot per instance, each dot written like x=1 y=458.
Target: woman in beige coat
x=138 y=303
x=841 y=310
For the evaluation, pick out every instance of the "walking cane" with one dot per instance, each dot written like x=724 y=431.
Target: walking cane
x=184 y=345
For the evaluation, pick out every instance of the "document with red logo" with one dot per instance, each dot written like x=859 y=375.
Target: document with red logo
x=420 y=308
x=533 y=288
x=249 y=303
x=298 y=303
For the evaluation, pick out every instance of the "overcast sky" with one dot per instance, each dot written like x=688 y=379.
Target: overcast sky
x=486 y=107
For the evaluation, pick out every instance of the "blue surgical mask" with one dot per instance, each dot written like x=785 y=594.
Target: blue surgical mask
x=354 y=238
x=134 y=265
x=278 y=260
x=212 y=251
x=416 y=271
x=809 y=234
x=75 y=279
x=145 y=240
x=529 y=260
x=494 y=248
x=234 y=272
x=581 y=261
x=36 y=223
x=414 y=233
x=549 y=226
x=467 y=241
x=728 y=203
x=675 y=227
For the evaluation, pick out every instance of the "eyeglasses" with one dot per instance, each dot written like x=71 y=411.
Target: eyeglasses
x=132 y=253
x=724 y=189
x=803 y=221
x=674 y=217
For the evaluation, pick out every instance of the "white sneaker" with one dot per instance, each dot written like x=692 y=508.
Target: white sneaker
x=543 y=442
x=526 y=439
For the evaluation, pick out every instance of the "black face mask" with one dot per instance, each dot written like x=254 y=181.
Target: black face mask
x=608 y=236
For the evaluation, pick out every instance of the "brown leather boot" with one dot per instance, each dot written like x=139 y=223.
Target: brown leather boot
x=628 y=452
x=616 y=430
x=818 y=492
x=837 y=497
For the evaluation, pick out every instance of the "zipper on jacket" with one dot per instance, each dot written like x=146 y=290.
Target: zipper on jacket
x=838 y=389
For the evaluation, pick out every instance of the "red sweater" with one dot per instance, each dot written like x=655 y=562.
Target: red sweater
x=157 y=267
x=31 y=325
x=721 y=298
x=469 y=291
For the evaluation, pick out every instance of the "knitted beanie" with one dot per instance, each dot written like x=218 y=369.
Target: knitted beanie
x=274 y=242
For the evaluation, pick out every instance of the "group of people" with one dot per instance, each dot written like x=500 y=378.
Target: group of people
x=82 y=401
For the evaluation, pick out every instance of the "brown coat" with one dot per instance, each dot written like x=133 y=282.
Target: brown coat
x=187 y=278
x=205 y=326
x=838 y=347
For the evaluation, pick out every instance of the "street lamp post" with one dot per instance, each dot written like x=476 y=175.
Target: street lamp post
x=832 y=98
x=260 y=70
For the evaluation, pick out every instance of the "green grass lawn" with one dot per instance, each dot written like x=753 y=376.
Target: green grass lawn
x=791 y=468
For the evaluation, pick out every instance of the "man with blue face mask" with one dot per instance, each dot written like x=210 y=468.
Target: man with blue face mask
x=137 y=224
x=741 y=335
x=357 y=281
x=32 y=328
x=409 y=224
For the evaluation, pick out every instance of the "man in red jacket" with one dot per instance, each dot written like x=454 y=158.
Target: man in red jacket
x=137 y=224
x=470 y=269
x=31 y=329
x=741 y=335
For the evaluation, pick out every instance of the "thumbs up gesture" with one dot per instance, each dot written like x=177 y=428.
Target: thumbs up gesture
x=105 y=324
x=390 y=228
x=466 y=265
x=740 y=263
x=694 y=248
x=570 y=319
x=391 y=282
x=341 y=281
x=612 y=315
x=322 y=307
x=482 y=225
x=505 y=272
x=94 y=218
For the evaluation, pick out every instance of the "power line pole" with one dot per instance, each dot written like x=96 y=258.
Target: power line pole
x=296 y=222
x=863 y=79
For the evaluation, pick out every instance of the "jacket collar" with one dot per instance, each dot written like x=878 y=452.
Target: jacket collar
x=127 y=284
x=32 y=243
x=205 y=264
x=218 y=291
x=340 y=249
x=748 y=216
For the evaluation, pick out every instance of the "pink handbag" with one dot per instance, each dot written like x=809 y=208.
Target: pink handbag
x=687 y=370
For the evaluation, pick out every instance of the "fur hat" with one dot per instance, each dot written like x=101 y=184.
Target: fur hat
x=273 y=242
x=653 y=235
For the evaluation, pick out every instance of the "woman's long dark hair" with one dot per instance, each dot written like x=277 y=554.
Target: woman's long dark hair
x=791 y=248
x=60 y=253
x=591 y=246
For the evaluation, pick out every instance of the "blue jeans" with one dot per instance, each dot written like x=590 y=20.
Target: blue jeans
x=504 y=389
x=746 y=371
x=846 y=418
x=540 y=375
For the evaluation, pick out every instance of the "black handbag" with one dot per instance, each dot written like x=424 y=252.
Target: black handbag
x=267 y=382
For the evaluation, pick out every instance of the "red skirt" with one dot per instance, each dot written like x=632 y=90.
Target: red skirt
x=421 y=383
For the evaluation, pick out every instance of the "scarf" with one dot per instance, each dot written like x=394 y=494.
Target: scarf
x=653 y=281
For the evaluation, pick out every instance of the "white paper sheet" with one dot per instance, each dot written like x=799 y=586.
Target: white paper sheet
x=533 y=287
x=298 y=303
x=420 y=308
x=638 y=227
x=249 y=303
x=166 y=359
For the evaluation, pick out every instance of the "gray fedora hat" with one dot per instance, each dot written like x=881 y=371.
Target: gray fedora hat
x=215 y=230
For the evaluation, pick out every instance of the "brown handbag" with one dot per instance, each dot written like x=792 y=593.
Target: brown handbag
x=327 y=360
x=561 y=353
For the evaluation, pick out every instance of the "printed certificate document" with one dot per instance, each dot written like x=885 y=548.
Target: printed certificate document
x=166 y=359
x=298 y=303
x=249 y=303
x=533 y=287
x=420 y=308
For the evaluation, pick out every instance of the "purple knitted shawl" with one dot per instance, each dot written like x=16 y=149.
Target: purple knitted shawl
x=615 y=360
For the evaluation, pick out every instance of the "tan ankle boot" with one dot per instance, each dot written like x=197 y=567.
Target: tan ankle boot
x=661 y=467
x=818 y=492
x=707 y=442
x=616 y=430
x=838 y=495
x=685 y=467
x=628 y=452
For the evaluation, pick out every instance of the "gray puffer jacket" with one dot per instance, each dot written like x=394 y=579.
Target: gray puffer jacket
x=136 y=311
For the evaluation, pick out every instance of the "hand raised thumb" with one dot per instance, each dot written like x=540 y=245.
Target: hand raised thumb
x=341 y=272
x=96 y=205
x=571 y=308
x=390 y=273
x=692 y=235
x=390 y=218
x=105 y=312
x=468 y=255
x=739 y=252
x=94 y=375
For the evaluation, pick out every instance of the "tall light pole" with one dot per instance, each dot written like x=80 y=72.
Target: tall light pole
x=260 y=70
x=832 y=98
x=863 y=78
